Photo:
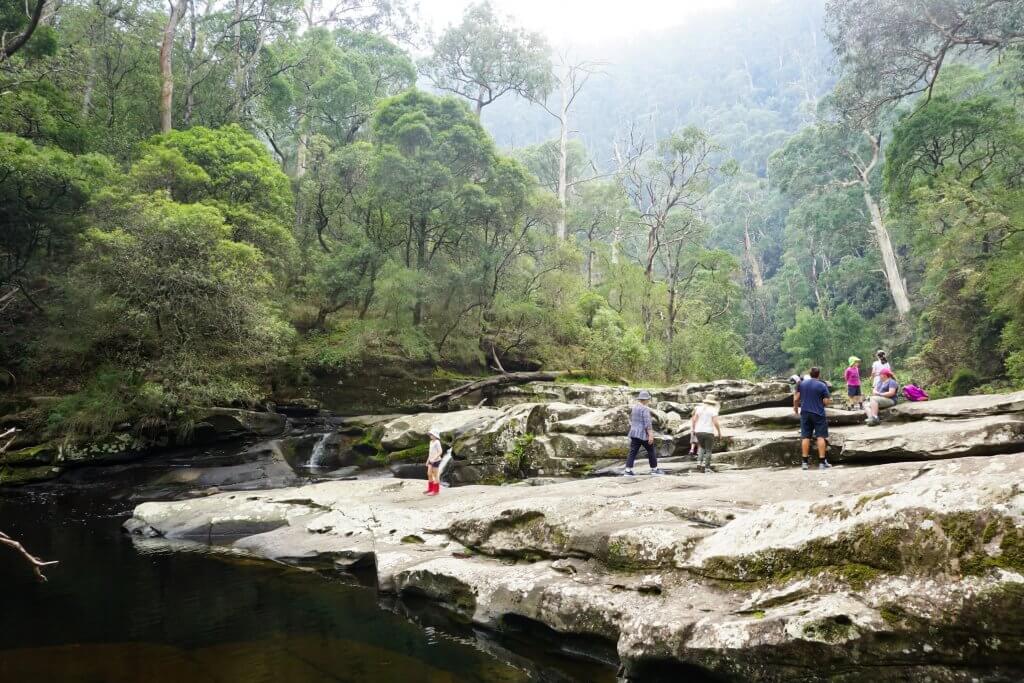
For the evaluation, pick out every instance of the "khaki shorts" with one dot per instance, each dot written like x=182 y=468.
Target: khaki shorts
x=884 y=402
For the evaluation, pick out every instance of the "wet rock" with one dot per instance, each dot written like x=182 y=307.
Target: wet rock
x=217 y=424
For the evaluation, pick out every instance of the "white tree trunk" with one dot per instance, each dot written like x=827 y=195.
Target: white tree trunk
x=563 y=161
x=166 y=70
x=897 y=287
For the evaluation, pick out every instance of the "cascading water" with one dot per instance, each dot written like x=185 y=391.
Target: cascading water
x=316 y=457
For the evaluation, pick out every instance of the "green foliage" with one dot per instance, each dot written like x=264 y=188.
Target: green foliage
x=827 y=343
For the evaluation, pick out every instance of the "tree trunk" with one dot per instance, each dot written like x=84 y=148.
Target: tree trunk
x=897 y=287
x=236 y=107
x=748 y=252
x=563 y=161
x=166 y=70
x=421 y=258
x=497 y=380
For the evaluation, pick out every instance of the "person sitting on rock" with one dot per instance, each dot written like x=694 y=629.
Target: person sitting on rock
x=641 y=433
x=885 y=395
x=809 y=403
x=704 y=423
x=434 y=455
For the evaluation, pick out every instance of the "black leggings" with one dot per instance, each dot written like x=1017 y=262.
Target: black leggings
x=634 y=448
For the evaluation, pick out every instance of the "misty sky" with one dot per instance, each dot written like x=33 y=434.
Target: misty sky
x=580 y=21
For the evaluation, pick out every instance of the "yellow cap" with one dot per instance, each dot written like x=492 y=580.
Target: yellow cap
x=854 y=359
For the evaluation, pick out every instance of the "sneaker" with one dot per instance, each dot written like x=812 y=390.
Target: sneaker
x=804 y=465
x=657 y=471
x=874 y=422
x=824 y=465
x=628 y=473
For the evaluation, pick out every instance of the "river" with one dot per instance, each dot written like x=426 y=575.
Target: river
x=118 y=609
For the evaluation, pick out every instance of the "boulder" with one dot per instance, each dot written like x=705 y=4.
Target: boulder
x=358 y=424
x=959 y=407
x=929 y=440
x=606 y=422
x=785 y=418
x=409 y=430
x=768 y=575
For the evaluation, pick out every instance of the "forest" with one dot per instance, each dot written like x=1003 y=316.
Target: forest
x=203 y=201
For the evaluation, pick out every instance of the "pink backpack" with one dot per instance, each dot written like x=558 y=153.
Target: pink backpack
x=914 y=393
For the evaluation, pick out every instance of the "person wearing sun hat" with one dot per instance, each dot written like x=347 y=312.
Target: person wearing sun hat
x=704 y=423
x=884 y=395
x=853 y=383
x=641 y=433
x=434 y=455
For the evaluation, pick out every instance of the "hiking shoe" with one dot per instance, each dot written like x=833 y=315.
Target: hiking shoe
x=874 y=422
x=657 y=471
x=628 y=473
x=707 y=469
x=824 y=465
x=804 y=465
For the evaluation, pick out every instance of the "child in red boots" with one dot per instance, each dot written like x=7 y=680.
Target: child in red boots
x=434 y=456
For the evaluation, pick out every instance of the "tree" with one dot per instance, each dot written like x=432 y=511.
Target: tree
x=483 y=59
x=824 y=157
x=177 y=10
x=892 y=49
x=24 y=27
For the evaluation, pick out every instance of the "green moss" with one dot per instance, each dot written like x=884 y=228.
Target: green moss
x=831 y=630
x=42 y=454
x=369 y=443
x=412 y=538
x=16 y=476
x=417 y=452
x=517 y=460
x=991 y=529
x=758 y=614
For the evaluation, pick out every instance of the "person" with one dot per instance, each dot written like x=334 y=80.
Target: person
x=702 y=422
x=884 y=395
x=881 y=363
x=641 y=433
x=435 y=453
x=853 y=383
x=809 y=403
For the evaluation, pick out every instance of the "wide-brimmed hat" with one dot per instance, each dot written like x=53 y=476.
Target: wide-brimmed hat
x=644 y=395
x=853 y=359
x=711 y=401
x=434 y=432
x=879 y=352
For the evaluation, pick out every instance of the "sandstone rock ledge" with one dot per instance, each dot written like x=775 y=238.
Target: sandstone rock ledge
x=905 y=571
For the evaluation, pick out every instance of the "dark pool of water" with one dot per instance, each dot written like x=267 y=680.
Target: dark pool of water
x=118 y=610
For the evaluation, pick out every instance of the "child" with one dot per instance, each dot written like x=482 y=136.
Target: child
x=705 y=418
x=853 y=383
x=434 y=456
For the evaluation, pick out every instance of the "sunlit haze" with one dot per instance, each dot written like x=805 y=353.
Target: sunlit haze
x=580 y=21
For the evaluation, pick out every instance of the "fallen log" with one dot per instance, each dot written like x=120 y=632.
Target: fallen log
x=495 y=381
x=33 y=561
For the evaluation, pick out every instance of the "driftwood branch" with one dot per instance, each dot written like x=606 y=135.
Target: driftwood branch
x=495 y=381
x=35 y=562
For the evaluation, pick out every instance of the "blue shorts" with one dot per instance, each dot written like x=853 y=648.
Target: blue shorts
x=812 y=424
x=852 y=391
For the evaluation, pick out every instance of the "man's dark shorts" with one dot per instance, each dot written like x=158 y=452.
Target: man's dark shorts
x=812 y=424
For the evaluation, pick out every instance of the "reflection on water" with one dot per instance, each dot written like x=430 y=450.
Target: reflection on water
x=115 y=612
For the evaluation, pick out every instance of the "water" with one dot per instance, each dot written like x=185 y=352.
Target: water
x=318 y=454
x=120 y=610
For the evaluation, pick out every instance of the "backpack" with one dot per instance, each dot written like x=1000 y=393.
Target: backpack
x=914 y=393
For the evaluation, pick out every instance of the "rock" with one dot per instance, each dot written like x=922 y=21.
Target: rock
x=933 y=440
x=754 y=575
x=562 y=453
x=115 y=447
x=607 y=422
x=409 y=430
x=785 y=418
x=297 y=407
x=42 y=454
x=543 y=415
x=361 y=423
x=219 y=424
x=17 y=476
x=959 y=407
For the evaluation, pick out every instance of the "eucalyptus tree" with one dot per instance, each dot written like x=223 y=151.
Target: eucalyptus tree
x=484 y=58
x=892 y=49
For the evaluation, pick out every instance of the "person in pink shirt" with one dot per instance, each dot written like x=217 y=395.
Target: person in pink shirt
x=853 y=383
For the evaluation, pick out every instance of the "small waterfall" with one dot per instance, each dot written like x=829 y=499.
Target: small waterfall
x=316 y=458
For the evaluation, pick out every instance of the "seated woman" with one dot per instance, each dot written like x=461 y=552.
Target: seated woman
x=884 y=395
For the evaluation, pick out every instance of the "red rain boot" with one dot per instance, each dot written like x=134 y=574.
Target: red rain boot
x=435 y=488
x=430 y=488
